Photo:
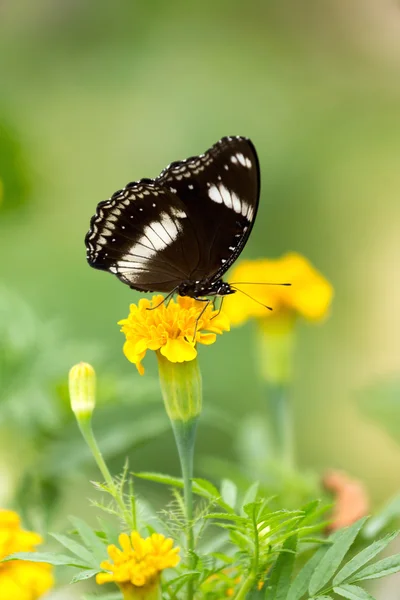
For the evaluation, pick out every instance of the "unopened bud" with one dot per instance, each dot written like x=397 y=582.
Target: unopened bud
x=82 y=389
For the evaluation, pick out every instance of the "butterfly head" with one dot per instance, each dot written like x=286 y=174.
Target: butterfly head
x=205 y=287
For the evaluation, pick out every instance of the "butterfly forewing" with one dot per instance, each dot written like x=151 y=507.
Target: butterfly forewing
x=187 y=225
x=221 y=190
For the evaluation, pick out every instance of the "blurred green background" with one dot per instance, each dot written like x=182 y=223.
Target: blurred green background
x=96 y=94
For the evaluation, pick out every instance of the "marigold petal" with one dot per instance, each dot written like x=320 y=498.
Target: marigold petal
x=169 y=328
x=206 y=338
x=104 y=578
x=179 y=350
x=309 y=294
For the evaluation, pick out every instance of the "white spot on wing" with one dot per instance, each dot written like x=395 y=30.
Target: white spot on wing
x=215 y=195
x=241 y=159
x=170 y=226
x=177 y=212
x=237 y=206
x=248 y=163
x=226 y=196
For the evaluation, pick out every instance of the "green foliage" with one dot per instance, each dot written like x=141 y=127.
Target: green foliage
x=261 y=553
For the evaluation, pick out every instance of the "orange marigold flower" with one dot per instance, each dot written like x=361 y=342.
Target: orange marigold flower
x=140 y=562
x=309 y=294
x=351 y=499
x=173 y=329
x=21 y=580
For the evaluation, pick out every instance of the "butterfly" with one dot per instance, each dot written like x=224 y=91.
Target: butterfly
x=181 y=231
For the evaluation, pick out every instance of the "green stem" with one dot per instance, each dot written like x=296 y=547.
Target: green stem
x=275 y=353
x=185 y=433
x=85 y=426
x=251 y=578
x=182 y=392
x=246 y=586
x=280 y=419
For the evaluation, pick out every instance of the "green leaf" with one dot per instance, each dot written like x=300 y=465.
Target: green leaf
x=360 y=559
x=229 y=492
x=352 y=592
x=160 y=478
x=229 y=516
x=382 y=518
x=205 y=486
x=47 y=557
x=77 y=549
x=279 y=581
x=383 y=567
x=179 y=582
x=250 y=494
x=83 y=575
x=301 y=582
x=90 y=538
x=343 y=540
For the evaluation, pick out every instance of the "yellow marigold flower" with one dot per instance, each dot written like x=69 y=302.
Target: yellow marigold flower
x=173 y=329
x=140 y=562
x=21 y=580
x=309 y=295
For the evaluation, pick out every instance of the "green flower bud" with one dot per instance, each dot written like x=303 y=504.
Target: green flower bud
x=82 y=390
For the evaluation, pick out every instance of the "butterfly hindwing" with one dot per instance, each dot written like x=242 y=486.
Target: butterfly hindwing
x=143 y=235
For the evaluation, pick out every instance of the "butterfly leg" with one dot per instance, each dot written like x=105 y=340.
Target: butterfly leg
x=207 y=301
x=167 y=297
x=219 y=309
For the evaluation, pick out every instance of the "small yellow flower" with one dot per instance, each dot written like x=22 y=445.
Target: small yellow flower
x=140 y=562
x=172 y=329
x=21 y=580
x=309 y=294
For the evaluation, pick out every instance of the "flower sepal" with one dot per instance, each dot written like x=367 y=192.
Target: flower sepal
x=151 y=591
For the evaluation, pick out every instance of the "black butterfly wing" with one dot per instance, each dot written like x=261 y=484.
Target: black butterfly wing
x=144 y=235
x=189 y=224
x=220 y=190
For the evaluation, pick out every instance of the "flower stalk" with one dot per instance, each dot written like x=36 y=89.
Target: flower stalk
x=275 y=352
x=181 y=388
x=82 y=391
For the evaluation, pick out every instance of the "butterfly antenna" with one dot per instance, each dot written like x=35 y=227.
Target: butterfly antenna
x=257 y=283
x=251 y=298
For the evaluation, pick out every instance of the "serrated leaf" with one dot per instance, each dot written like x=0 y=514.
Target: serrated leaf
x=382 y=518
x=83 y=575
x=383 y=567
x=229 y=516
x=77 y=549
x=229 y=492
x=301 y=582
x=352 y=592
x=90 y=538
x=207 y=487
x=250 y=494
x=360 y=559
x=249 y=509
x=329 y=564
x=182 y=579
x=47 y=557
x=160 y=478
x=279 y=581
